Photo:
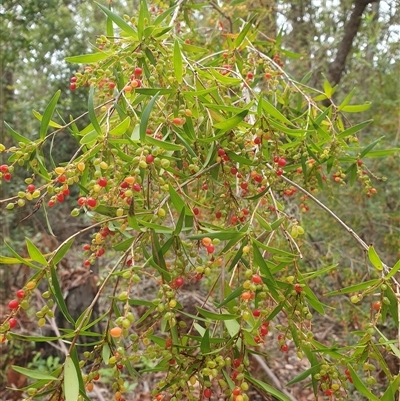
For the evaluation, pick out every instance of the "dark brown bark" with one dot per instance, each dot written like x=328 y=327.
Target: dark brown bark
x=338 y=65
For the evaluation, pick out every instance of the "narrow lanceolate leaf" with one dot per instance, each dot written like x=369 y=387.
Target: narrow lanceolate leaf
x=230 y=123
x=58 y=295
x=240 y=38
x=121 y=128
x=62 y=251
x=374 y=258
x=15 y=135
x=34 y=374
x=87 y=58
x=145 y=118
x=71 y=381
x=178 y=67
x=346 y=100
x=393 y=270
x=205 y=343
x=369 y=147
x=128 y=29
x=34 y=253
x=92 y=114
x=356 y=108
x=268 y=389
x=355 y=128
x=273 y=111
x=40 y=118
x=216 y=316
x=48 y=114
x=360 y=386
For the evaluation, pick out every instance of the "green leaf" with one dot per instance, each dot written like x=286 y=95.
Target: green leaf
x=272 y=111
x=221 y=235
x=267 y=388
x=392 y=389
x=360 y=386
x=62 y=251
x=374 y=258
x=205 y=343
x=40 y=118
x=105 y=353
x=216 y=316
x=346 y=100
x=92 y=114
x=231 y=122
x=382 y=153
x=121 y=128
x=15 y=135
x=71 y=381
x=145 y=118
x=20 y=258
x=366 y=150
x=128 y=29
x=233 y=295
x=34 y=253
x=87 y=58
x=233 y=327
x=243 y=32
x=178 y=67
x=163 y=144
x=143 y=16
x=260 y=262
x=58 y=295
x=48 y=114
x=393 y=270
x=239 y=159
x=354 y=288
x=34 y=374
x=263 y=223
x=356 y=108
x=304 y=375
x=180 y=222
x=355 y=128
x=327 y=88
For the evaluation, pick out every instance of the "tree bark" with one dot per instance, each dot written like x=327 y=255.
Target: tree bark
x=338 y=65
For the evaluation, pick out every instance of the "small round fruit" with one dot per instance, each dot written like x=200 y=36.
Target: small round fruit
x=282 y=162
x=12 y=322
x=207 y=393
x=206 y=241
x=102 y=182
x=284 y=348
x=91 y=202
x=116 y=332
x=210 y=249
x=13 y=304
x=256 y=279
x=179 y=282
x=30 y=285
x=20 y=294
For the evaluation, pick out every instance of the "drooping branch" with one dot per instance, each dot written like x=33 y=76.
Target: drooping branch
x=337 y=67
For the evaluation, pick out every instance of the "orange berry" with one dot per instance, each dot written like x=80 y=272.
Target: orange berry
x=89 y=386
x=30 y=285
x=116 y=332
x=130 y=180
x=246 y=295
x=206 y=241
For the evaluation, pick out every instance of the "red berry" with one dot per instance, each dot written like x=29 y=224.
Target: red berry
x=218 y=215
x=221 y=152
x=237 y=391
x=100 y=252
x=72 y=86
x=237 y=362
x=234 y=170
x=124 y=185
x=7 y=176
x=234 y=220
x=359 y=162
x=102 y=182
x=207 y=393
x=20 y=294
x=279 y=171
x=179 y=282
x=210 y=248
x=30 y=188
x=284 y=348
x=281 y=337
x=196 y=211
x=298 y=288
x=97 y=377
x=244 y=185
x=177 y=121
x=91 y=202
x=256 y=279
x=61 y=179
x=329 y=392
x=281 y=162
x=376 y=306
x=168 y=343
x=258 y=340
x=136 y=187
x=86 y=247
x=12 y=322
x=250 y=75
x=112 y=85
x=4 y=168
x=13 y=304
x=257 y=140
x=246 y=212
x=258 y=178
x=268 y=75
x=51 y=203
x=149 y=159
x=256 y=312
x=263 y=330
x=138 y=71
x=73 y=79
x=82 y=201
x=60 y=197
x=66 y=191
